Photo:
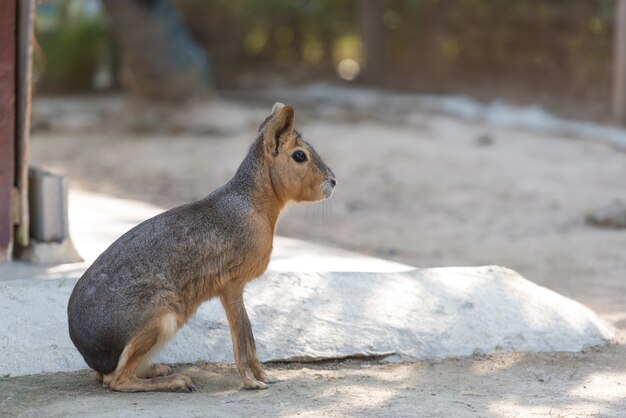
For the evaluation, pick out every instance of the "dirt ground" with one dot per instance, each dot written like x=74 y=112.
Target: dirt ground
x=423 y=189
x=503 y=385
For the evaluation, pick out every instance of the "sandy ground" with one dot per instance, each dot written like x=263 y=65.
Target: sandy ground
x=426 y=190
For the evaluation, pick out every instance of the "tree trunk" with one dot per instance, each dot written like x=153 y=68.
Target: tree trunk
x=162 y=62
x=372 y=29
x=619 y=63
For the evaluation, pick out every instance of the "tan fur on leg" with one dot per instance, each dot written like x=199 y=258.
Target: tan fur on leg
x=138 y=351
x=253 y=359
x=232 y=299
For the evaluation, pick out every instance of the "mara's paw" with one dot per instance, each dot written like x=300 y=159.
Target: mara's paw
x=182 y=383
x=267 y=378
x=253 y=384
x=157 y=370
x=261 y=375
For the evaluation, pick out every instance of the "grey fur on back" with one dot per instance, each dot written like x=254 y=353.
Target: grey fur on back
x=117 y=295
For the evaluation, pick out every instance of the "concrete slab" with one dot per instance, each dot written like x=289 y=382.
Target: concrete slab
x=313 y=303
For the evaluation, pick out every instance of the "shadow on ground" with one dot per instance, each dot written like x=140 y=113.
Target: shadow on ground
x=501 y=385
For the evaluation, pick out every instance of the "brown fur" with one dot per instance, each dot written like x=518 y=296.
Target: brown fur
x=210 y=248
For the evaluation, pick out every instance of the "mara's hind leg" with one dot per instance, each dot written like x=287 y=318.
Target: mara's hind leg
x=138 y=352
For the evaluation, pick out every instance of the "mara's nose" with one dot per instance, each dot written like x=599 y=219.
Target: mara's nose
x=333 y=182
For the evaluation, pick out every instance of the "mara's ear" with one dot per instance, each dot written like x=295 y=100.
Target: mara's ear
x=278 y=127
x=275 y=111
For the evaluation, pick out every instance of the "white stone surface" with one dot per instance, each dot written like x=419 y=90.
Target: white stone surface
x=313 y=303
x=420 y=314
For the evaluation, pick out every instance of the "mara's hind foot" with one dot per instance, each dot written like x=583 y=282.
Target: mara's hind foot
x=154 y=370
x=99 y=377
x=171 y=383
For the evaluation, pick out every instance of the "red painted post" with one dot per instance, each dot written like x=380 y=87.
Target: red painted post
x=8 y=64
x=23 y=88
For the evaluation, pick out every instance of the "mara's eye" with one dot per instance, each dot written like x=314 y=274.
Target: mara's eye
x=299 y=156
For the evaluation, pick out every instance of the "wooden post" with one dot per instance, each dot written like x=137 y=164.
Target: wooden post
x=619 y=63
x=26 y=30
x=8 y=69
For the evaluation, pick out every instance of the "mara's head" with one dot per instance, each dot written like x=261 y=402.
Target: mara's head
x=297 y=172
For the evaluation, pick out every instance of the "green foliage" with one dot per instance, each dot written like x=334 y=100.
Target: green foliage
x=71 y=55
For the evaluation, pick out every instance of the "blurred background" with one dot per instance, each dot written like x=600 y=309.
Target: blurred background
x=462 y=132
x=556 y=53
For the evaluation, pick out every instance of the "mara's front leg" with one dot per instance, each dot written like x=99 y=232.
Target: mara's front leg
x=253 y=375
x=253 y=359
